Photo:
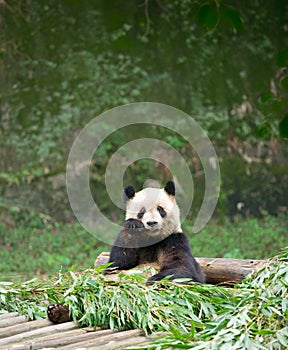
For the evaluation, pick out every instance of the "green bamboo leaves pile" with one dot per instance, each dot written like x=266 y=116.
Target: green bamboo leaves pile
x=253 y=315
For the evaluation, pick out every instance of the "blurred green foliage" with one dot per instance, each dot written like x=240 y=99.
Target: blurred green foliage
x=63 y=63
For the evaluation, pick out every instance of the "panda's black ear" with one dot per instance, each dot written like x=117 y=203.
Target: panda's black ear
x=128 y=193
x=170 y=188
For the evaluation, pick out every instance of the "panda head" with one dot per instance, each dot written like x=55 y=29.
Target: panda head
x=155 y=208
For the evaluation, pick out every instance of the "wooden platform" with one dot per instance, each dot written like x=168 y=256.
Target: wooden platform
x=17 y=332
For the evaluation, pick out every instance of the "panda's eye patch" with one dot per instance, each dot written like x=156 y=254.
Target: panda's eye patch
x=141 y=213
x=162 y=212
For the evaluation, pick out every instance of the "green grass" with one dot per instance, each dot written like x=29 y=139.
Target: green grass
x=250 y=238
x=35 y=245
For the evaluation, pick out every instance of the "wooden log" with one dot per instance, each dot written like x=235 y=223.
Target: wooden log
x=102 y=259
x=229 y=271
x=218 y=270
x=133 y=342
x=58 y=340
x=24 y=327
x=69 y=333
x=13 y=321
x=98 y=343
x=69 y=341
x=37 y=332
x=8 y=315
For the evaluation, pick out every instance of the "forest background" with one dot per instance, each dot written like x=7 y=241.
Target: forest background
x=64 y=62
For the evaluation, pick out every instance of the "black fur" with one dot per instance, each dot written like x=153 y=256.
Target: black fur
x=128 y=193
x=162 y=212
x=173 y=254
x=170 y=188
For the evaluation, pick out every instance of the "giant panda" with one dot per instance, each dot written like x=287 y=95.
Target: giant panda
x=152 y=233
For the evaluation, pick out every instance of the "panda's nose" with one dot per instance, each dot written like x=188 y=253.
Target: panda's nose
x=152 y=223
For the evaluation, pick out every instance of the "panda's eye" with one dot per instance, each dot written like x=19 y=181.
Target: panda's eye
x=141 y=213
x=162 y=212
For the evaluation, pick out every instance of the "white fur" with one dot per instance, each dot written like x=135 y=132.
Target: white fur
x=150 y=199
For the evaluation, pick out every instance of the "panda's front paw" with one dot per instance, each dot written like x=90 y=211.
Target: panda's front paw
x=58 y=313
x=110 y=269
x=158 y=277
x=133 y=224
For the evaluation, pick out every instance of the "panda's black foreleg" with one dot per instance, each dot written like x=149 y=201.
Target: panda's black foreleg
x=124 y=254
x=122 y=259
